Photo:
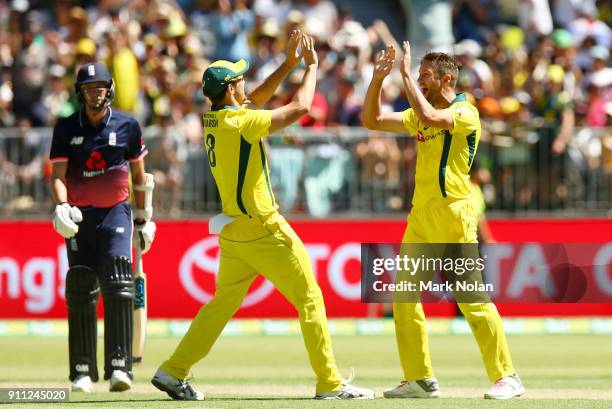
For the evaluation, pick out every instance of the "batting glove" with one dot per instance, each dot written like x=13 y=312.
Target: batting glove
x=65 y=219
x=144 y=234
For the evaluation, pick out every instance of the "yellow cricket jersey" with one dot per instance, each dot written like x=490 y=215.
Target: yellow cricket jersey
x=237 y=158
x=444 y=157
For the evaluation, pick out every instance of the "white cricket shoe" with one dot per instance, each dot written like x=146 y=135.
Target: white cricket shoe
x=424 y=388
x=119 y=381
x=507 y=387
x=82 y=383
x=347 y=391
x=175 y=388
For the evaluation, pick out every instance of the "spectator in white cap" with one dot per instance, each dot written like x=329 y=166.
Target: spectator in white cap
x=601 y=74
x=587 y=25
x=468 y=52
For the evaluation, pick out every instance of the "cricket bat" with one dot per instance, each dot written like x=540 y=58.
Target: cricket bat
x=140 y=289
x=140 y=310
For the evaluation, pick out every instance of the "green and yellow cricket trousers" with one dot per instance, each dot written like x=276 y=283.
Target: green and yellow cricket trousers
x=270 y=247
x=448 y=222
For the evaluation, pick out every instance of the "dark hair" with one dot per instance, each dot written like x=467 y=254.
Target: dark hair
x=444 y=64
x=217 y=98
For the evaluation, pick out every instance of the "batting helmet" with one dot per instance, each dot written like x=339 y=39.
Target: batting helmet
x=94 y=72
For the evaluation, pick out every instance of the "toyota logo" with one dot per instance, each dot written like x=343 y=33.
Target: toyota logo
x=199 y=256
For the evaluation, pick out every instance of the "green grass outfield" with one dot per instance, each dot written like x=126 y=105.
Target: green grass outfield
x=559 y=371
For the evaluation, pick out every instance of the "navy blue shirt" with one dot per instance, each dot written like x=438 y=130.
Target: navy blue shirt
x=98 y=158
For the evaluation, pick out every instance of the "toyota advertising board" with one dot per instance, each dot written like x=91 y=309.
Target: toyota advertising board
x=183 y=263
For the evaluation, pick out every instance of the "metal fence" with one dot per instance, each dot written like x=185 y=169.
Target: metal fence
x=343 y=172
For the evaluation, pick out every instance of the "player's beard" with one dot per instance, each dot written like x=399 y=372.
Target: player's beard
x=433 y=96
x=95 y=103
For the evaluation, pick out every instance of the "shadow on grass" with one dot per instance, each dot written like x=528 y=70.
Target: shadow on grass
x=257 y=398
x=94 y=401
x=206 y=399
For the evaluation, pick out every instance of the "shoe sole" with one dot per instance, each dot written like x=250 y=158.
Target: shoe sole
x=337 y=398
x=120 y=386
x=519 y=392
x=80 y=390
x=164 y=388
x=433 y=395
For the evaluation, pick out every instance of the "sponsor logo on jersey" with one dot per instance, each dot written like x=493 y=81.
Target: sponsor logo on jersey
x=76 y=140
x=424 y=138
x=95 y=164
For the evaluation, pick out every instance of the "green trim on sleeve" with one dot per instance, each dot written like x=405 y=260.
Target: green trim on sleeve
x=443 y=161
x=471 y=142
x=266 y=172
x=243 y=164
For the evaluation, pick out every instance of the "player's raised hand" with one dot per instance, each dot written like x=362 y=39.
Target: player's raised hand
x=308 y=50
x=293 y=57
x=384 y=62
x=406 y=60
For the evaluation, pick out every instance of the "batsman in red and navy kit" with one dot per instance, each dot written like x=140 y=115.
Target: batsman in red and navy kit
x=93 y=153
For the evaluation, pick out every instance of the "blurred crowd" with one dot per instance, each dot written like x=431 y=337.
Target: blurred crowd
x=538 y=70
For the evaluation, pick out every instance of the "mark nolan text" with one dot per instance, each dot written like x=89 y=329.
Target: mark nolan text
x=431 y=286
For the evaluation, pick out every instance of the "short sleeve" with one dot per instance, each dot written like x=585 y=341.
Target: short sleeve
x=464 y=118
x=410 y=122
x=136 y=145
x=255 y=124
x=59 y=146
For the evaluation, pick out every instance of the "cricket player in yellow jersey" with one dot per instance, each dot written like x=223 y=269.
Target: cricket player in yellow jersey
x=447 y=129
x=254 y=238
